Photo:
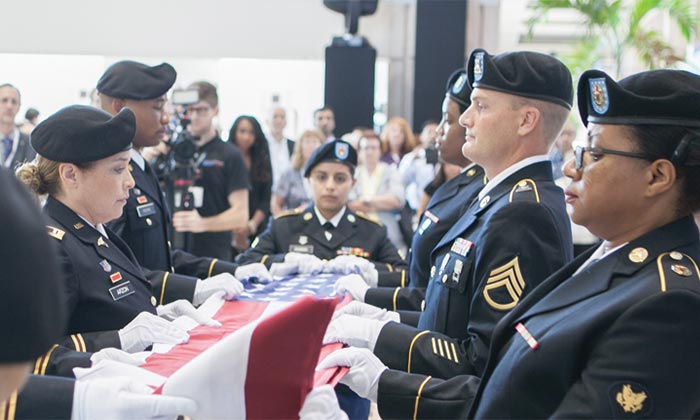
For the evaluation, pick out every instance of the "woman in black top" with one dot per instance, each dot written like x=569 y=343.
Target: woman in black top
x=248 y=136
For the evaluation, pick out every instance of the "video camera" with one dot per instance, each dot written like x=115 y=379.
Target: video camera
x=178 y=168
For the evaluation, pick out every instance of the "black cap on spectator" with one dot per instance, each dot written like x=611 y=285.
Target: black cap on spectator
x=77 y=134
x=522 y=73
x=30 y=308
x=458 y=88
x=338 y=151
x=133 y=80
x=657 y=97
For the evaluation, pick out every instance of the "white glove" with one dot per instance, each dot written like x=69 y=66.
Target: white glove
x=321 y=404
x=354 y=331
x=181 y=307
x=147 y=329
x=307 y=263
x=367 y=311
x=254 y=270
x=225 y=282
x=115 y=355
x=284 y=269
x=349 y=264
x=353 y=284
x=122 y=398
x=365 y=370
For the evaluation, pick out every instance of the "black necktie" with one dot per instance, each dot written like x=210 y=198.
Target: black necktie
x=328 y=226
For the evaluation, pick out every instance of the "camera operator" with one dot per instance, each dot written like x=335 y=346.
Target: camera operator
x=144 y=224
x=224 y=178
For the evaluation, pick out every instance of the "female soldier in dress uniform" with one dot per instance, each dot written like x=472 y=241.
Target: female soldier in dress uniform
x=613 y=334
x=33 y=319
x=82 y=164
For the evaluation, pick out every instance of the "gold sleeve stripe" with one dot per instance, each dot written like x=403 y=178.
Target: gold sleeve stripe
x=410 y=348
x=420 y=391
x=211 y=266
x=162 y=288
x=37 y=364
x=396 y=294
x=8 y=408
x=83 y=347
x=76 y=344
x=389 y=267
x=454 y=352
x=263 y=259
x=432 y=339
x=43 y=361
x=47 y=358
x=403 y=278
x=40 y=361
x=442 y=353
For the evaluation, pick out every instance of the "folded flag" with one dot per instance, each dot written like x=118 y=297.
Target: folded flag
x=263 y=369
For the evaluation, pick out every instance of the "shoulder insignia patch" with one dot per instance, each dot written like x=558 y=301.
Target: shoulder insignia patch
x=524 y=186
x=677 y=271
x=288 y=213
x=504 y=286
x=55 y=232
x=369 y=218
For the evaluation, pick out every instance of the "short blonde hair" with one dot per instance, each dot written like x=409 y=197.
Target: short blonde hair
x=553 y=116
x=297 y=157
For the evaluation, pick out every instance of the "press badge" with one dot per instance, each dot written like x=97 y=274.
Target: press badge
x=146 y=210
x=121 y=291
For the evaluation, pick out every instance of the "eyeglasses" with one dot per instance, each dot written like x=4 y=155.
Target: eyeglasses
x=579 y=150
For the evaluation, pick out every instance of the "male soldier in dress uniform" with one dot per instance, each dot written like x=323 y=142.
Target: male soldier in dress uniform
x=327 y=228
x=614 y=333
x=512 y=236
x=444 y=209
x=145 y=222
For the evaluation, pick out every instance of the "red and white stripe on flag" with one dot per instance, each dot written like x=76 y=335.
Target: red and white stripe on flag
x=259 y=364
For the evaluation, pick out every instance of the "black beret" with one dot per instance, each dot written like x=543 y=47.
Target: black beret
x=522 y=73
x=30 y=306
x=458 y=89
x=78 y=133
x=335 y=151
x=657 y=97
x=132 y=80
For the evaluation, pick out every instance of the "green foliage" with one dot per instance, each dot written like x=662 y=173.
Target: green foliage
x=613 y=27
